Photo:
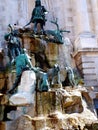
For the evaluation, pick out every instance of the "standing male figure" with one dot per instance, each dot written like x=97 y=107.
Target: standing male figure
x=38 y=16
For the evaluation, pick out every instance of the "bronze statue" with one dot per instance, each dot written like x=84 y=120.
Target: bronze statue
x=13 y=43
x=71 y=76
x=54 y=75
x=38 y=16
x=22 y=63
x=56 y=34
x=42 y=81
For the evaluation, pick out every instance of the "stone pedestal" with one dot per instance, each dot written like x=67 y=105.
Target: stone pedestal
x=87 y=62
x=48 y=102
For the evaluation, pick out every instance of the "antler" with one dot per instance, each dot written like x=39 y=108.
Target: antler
x=54 y=21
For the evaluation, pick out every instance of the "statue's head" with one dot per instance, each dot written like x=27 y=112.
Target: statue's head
x=56 y=67
x=37 y=3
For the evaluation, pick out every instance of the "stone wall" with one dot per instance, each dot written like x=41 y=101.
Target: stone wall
x=86 y=61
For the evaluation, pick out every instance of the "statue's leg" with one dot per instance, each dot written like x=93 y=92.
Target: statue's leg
x=35 y=27
x=52 y=82
x=58 y=76
x=42 y=29
x=72 y=81
x=13 y=52
x=17 y=53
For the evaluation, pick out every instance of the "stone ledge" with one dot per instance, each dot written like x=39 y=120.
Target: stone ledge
x=85 y=50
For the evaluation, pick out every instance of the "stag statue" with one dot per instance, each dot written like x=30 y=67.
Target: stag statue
x=57 y=34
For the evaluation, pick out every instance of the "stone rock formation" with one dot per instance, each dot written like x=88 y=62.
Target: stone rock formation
x=59 y=109
x=26 y=90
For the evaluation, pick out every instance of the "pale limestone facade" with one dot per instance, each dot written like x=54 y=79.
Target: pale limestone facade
x=78 y=16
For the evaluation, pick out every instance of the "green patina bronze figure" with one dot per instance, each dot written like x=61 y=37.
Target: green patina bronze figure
x=56 y=34
x=71 y=76
x=42 y=81
x=22 y=63
x=54 y=75
x=13 y=43
x=38 y=16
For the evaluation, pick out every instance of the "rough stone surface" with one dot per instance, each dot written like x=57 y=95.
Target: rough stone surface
x=48 y=102
x=3 y=99
x=74 y=118
x=2 y=80
x=73 y=102
x=26 y=90
x=21 y=123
